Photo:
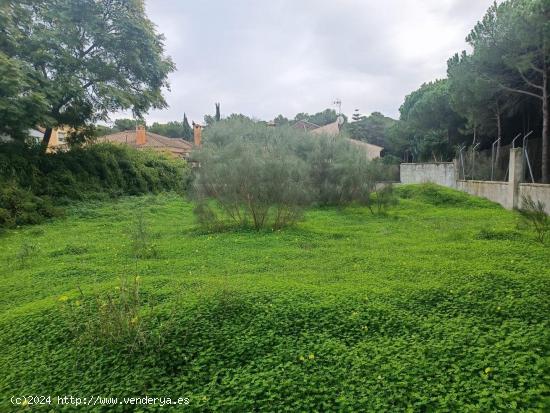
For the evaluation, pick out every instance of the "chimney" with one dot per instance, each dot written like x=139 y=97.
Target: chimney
x=141 y=137
x=197 y=131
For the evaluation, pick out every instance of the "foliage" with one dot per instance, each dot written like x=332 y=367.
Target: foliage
x=252 y=174
x=141 y=240
x=125 y=124
x=497 y=90
x=343 y=312
x=172 y=129
x=21 y=100
x=87 y=58
x=111 y=319
x=266 y=176
x=210 y=120
x=442 y=197
x=534 y=214
x=372 y=129
x=511 y=48
x=25 y=253
x=430 y=124
x=31 y=182
x=20 y=206
x=320 y=118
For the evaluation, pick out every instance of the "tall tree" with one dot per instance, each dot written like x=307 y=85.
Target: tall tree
x=429 y=119
x=187 y=130
x=89 y=57
x=22 y=103
x=511 y=47
x=356 y=117
x=280 y=120
x=372 y=129
x=124 y=124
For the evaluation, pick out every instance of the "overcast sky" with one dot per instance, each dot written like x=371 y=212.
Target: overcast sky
x=262 y=58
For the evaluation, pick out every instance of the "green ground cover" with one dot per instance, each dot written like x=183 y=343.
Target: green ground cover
x=440 y=306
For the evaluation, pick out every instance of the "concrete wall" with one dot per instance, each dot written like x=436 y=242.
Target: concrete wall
x=441 y=173
x=492 y=190
x=508 y=194
x=539 y=192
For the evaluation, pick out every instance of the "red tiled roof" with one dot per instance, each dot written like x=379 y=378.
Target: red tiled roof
x=176 y=146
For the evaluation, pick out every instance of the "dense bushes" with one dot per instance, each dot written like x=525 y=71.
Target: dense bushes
x=19 y=206
x=253 y=174
x=31 y=182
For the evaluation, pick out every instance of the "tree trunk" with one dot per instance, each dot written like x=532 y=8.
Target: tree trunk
x=499 y=132
x=46 y=139
x=545 y=130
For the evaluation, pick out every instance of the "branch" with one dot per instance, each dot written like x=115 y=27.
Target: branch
x=510 y=89
x=528 y=81
x=88 y=50
x=536 y=69
x=524 y=92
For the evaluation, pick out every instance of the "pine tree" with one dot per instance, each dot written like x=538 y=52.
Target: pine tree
x=187 y=130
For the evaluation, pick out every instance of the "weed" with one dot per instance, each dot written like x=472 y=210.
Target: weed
x=69 y=250
x=492 y=234
x=535 y=216
x=26 y=251
x=142 y=240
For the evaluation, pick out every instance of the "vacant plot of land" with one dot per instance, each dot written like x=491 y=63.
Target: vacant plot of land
x=440 y=306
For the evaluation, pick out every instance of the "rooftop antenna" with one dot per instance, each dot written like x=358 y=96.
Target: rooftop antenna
x=338 y=103
x=339 y=118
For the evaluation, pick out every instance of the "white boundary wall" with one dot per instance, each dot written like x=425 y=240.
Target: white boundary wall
x=492 y=190
x=506 y=193
x=441 y=173
x=539 y=192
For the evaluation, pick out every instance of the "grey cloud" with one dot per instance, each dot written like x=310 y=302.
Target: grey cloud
x=264 y=58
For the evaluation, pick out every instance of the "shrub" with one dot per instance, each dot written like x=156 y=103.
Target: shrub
x=253 y=177
x=381 y=199
x=19 y=207
x=30 y=181
x=26 y=251
x=141 y=237
x=251 y=174
x=534 y=215
x=112 y=319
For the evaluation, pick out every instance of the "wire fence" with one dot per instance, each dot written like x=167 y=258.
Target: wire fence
x=492 y=164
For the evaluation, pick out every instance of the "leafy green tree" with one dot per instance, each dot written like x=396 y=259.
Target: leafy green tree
x=511 y=47
x=431 y=122
x=122 y=125
x=356 y=117
x=280 y=120
x=88 y=57
x=476 y=99
x=22 y=104
x=372 y=129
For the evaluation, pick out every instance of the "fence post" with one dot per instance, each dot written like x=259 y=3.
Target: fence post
x=515 y=176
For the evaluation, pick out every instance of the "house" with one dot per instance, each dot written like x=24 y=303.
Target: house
x=333 y=129
x=58 y=138
x=373 y=151
x=140 y=138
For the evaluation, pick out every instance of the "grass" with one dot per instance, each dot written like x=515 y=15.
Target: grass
x=439 y=306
